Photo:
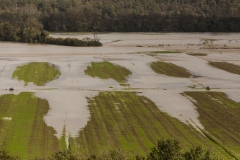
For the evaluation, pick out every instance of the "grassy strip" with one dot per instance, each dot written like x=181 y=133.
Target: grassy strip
x=217 y=143
x=220 y=117
x=37 y=72
x=164 y=52
x=26 y=134
x=134 y=124
x=107 y=70
x=197 y=54
x=117 y=40
x=62 y=140
x=232 y=68
x=169 y=69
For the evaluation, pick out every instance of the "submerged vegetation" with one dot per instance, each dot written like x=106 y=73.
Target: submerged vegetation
x=229 y=67
x=37 y=72
x=133 y=123
x=220 y=118
x=107 y=70
x=197 y=54
x=169 y=69
x=163 y=52
x=23 y=131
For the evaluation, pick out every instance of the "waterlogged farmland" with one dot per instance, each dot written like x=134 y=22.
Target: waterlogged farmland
x=136 y=89
x=23 y=130
x=133 y=123
x=220 y=117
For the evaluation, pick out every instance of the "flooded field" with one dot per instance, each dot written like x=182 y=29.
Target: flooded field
x=67 y=94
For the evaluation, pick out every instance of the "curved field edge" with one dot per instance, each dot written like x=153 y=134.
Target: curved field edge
x=105 y=70
x=23 y=131
x=229 y=67
x=220 y=117
x=37 y=72
x=169 y=69
x=133 y=123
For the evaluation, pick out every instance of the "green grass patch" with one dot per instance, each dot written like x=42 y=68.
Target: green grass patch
x=133 y=123
x=164 y=52
x=197 y=54
x=117 y=40
x=37 y=72
x=220 y=117
x=106 y=70
x=46 y=89
x=229 y=67
x=124 y=84
x=62 y=140
x=26 y=134
x=169 y=69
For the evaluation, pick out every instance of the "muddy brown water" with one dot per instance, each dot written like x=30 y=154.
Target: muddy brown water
x=66 y=95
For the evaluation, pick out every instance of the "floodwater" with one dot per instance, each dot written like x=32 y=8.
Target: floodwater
x=67 y=94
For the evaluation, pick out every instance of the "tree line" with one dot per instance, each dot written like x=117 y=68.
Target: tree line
x=124 y=15
x=32 y=32
x=164 y=150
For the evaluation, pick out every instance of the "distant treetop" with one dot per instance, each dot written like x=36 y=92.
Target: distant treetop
x=125 y=15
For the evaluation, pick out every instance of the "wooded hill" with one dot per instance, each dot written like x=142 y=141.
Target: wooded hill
x=124 y=15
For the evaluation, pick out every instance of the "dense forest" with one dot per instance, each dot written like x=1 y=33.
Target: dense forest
x=28 y=16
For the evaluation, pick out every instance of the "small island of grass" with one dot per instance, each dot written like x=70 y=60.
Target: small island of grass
x=170 y=69
x=37 y=72
x=105 y=70
x=229 y=67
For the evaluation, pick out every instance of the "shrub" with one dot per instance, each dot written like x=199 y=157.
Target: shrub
x=5 y=156
x=72 y=42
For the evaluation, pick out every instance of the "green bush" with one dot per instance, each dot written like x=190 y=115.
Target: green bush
x=72 y=42
x=171 y=150
x=5 y=156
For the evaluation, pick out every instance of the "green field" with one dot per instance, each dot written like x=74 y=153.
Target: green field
x=37 y=72
x=106 y=70
x=133 y=123
x=220 y=117
x=23 y=131
x=232 y=68
x=170 y=69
